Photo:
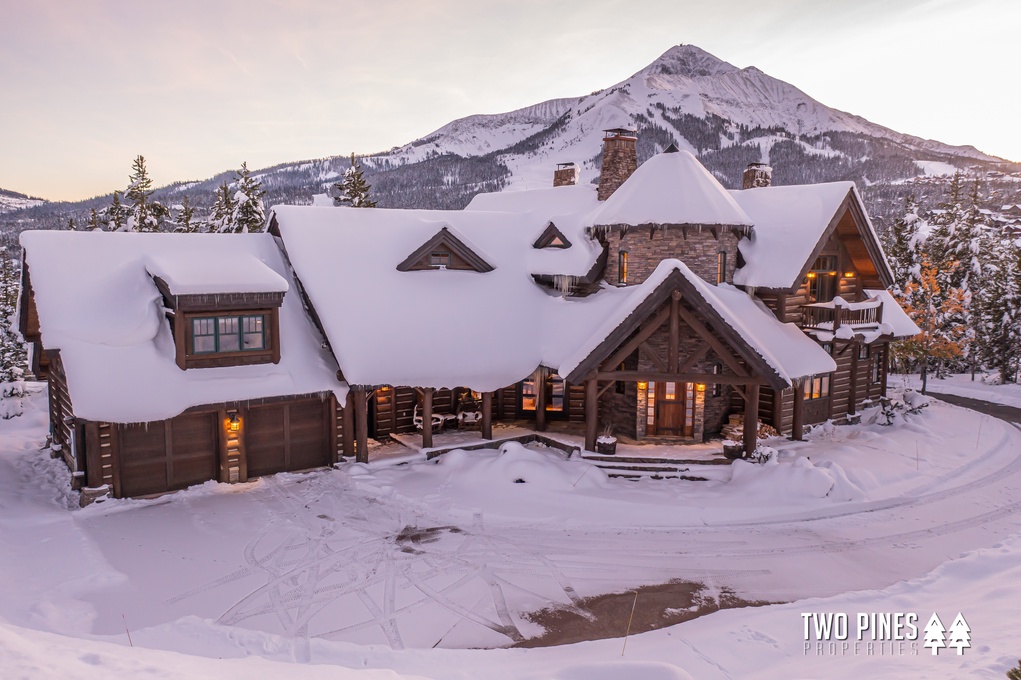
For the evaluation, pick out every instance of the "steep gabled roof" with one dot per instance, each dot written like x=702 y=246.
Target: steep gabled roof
x=670 y=188
x=552 y=237
x=779 y=352
x=447 y=240
x=793 y=224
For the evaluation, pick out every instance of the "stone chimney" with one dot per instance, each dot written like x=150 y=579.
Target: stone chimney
x=566 y=175
x=620 y=159
x=757 y=175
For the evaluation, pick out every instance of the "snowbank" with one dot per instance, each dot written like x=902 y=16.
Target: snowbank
x=799 y=479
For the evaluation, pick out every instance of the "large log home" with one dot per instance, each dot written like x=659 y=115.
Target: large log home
x=656 y=304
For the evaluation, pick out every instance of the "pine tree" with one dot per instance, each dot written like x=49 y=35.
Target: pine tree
x=146 y=214
x=1014 y=673
x=352 y=191
x=70 y=224
x=902 y=243
x=13 y=357
x=115 y=214
x=996 y=316
x=94 y=224
x=185 y=217
x=248 y=214
x=223 y=209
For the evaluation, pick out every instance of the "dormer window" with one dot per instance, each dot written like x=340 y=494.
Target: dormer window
x=439 y=259
x=234 y=333
x=551 y=237
x=445 y=250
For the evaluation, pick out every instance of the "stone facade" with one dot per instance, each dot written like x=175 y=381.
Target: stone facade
x=620 y=160
x=700 y=251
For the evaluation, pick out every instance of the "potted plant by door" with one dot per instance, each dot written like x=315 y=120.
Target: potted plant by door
x=606 y=443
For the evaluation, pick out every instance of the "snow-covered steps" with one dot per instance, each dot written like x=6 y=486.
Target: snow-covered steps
x=632 y=467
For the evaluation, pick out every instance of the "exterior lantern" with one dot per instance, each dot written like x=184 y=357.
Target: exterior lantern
x=848 y=275
x=234 y=423
x=642 y=385
x=811 y=275
x=700 y=387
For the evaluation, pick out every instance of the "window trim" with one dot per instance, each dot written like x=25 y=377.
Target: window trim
x=809 y=391
x=183 y=327
x=721 y=267
x=216 y=335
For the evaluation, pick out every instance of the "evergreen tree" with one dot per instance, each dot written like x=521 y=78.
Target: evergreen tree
x=185 y=218
x=352 y=191
x=146 y=214
x=70 y=224
x=997 y=309
x=902 y=244
x=248 y=214
x=1014 y=673
x=94 y=224
x=115 y=215
x=223 y=209
x=13 y=357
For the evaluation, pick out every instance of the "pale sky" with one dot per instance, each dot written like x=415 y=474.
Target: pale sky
x=198 y=86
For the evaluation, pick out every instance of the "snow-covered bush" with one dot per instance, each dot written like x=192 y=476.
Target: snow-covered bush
x=892 y=410
x=763 y=454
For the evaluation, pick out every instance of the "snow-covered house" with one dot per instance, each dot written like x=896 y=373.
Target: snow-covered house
x=660 y=312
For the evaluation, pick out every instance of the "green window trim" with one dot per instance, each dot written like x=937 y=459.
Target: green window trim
x=228 y=333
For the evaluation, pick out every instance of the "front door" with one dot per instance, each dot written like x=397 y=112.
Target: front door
x=673 y=409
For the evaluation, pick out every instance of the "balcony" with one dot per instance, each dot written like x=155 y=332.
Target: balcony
x=829 y=316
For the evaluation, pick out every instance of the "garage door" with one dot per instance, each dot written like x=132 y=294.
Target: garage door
x=168 y=455
x=287 y=437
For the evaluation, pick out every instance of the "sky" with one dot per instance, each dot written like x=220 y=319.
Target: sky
x=198 y=86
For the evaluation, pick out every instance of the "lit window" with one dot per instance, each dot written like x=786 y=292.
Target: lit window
x=817 y=387
x=528 y=395
x=225 y=334
x=721 y=266
x=622 y=267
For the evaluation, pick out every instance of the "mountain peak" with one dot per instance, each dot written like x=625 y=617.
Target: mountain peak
x=689 y=61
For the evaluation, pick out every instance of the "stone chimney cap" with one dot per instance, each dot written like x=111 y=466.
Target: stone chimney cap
x=568 y=164
x=622 y=132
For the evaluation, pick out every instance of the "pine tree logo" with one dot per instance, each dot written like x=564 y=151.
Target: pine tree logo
x=935 y=637
x=960 y=634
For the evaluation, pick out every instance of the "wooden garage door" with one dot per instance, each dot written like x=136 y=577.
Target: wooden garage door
x=167 y=455
x=288 y=436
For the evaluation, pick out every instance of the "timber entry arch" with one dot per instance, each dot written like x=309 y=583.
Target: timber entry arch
x=676 y=335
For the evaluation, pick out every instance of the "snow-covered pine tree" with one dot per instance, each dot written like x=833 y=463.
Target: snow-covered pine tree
x=996 y=316
x=13 y=357
x=223 y=209
x=248 y=215
x=70 y=224
x=186 y=223
x=115 y=215
x=94 y=224
x=352 y=191
x=145 y=214
x=969 y=245
x=902 y=244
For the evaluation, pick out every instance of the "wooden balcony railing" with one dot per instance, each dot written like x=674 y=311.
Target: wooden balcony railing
x=826 y=316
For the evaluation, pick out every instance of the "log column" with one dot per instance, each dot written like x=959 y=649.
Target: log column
x=487 y=415
x=361 y=424
x=348 y=426
x=591 y=413
x=540 y=400
x=751 y=417
x=798 y=425
x=427 y=418
x=852 y=395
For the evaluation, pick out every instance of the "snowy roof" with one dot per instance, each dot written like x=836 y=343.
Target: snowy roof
x=428 y=328
x=784 y=347
x=789 y=222
x=215 y=271
x=670 y=188
x=98 y=305
x=901 y=325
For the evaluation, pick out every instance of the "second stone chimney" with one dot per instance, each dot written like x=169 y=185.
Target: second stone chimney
x=756 y=175
x=566 y=175
x=620 y=160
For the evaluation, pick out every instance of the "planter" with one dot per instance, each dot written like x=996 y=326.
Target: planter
x=606 y=446
x=733 y=451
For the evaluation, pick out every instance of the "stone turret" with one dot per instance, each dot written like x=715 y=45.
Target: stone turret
x=566 y=175
x=756 y=175
x=620 y=160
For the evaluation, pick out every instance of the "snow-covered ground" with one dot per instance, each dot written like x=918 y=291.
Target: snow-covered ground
x=961 y=385
x=399 y=570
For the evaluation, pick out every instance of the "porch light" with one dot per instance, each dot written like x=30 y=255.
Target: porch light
x=848 y=275
x=234 y=423
x=700 y=387
x=642 y=385
x=811 y=275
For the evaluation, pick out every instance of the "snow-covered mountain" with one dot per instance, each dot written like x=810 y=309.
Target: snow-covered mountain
x=687 y=96
x=11 y=201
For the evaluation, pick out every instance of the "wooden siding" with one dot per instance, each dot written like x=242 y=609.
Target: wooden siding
x=167 y=455
x=288 y=436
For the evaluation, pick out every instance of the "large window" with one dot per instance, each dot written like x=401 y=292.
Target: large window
x=817 y=387
x=822 y=279
x=226 y=334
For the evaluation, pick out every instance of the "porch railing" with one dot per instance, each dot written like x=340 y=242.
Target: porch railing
x=826 y=316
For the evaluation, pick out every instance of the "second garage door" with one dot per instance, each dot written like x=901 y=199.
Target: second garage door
x=286 y=437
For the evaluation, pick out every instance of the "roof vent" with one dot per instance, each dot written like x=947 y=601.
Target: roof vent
x=672 y=149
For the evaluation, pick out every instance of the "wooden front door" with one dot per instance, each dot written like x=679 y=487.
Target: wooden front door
x=673 y=409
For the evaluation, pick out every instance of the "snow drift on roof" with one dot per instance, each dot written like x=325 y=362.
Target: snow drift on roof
x=215 y=272
x=784 y=347
x=901 y=325
x=670 y=188
x=98 y=304
x=789 y=221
